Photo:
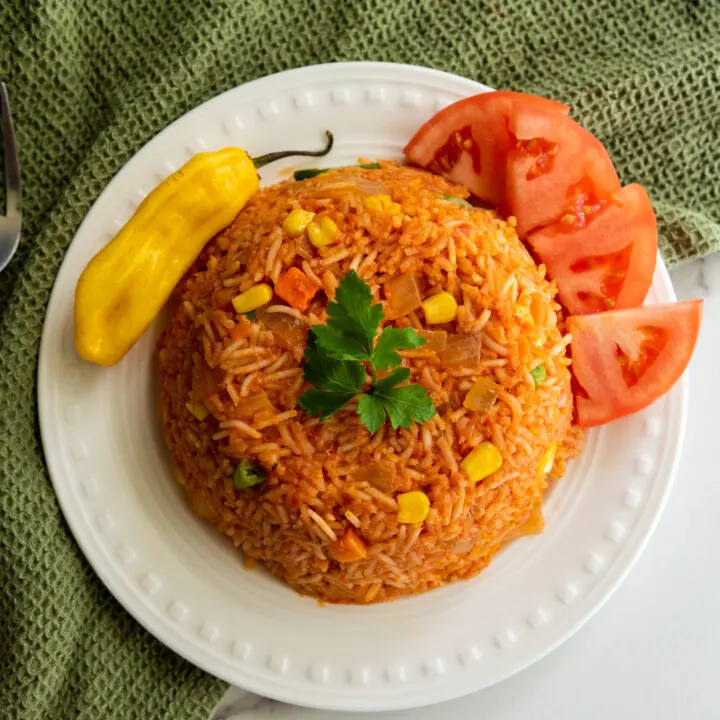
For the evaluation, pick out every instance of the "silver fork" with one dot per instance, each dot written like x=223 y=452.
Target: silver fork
x=12 y=220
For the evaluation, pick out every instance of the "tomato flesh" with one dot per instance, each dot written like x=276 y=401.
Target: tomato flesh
x=468 y=142
x=543 y=153
x=449 y=154
x=624 y=360
x=538 y=193
x=601 y=253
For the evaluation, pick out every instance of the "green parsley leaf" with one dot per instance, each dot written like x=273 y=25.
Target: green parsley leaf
x=392 y=339
x=338 y=344
x=324 y=402
x=539 y=374
x=328 y=373
x=397 y=376
x=339 y=381
x=352 y=317
x=404 y=405
x=370 y=166
x=371 y=412
x=335 y=362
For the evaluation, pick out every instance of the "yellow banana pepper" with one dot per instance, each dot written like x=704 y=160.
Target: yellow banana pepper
x=124 y=286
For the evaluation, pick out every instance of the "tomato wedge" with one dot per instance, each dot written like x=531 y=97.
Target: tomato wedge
x=624 y=360
x=602 y=256
x=468 y=141
x=553 y=160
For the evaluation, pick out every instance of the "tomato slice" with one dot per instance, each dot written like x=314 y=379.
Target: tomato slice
x=601 y=254
x=624 y=360
x=468 y=141
x=554 y=158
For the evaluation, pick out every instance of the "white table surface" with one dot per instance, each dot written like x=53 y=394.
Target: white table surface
x=653 y=651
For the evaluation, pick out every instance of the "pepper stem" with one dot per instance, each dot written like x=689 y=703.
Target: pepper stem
x=263 y=160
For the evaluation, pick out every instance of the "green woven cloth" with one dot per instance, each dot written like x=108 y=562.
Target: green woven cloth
x=91 y=81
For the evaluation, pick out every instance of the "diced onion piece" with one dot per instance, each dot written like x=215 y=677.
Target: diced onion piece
x=374 y=476
x=404 y=294
x=464 y=546
x=524 y=315
x=455 y=401
x=481 y=395
x=462 y=350
x=547 y=460
x=197 y=409
x=348 y=548
x=370 y=187
x=289 y=331
x=436 y=339
x=256 y=404
x=535 y=523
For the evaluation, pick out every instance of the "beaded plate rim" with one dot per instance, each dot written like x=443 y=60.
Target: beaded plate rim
x=153 y=587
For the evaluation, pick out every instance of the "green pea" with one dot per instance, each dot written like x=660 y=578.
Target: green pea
x=248 y=474
x=538 y=375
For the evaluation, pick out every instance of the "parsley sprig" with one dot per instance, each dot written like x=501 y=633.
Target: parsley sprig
x=338 y=353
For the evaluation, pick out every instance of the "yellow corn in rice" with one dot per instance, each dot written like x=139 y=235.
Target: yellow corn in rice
x=326 y=478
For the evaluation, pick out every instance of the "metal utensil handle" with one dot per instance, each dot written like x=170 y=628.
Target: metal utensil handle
x=12 y=162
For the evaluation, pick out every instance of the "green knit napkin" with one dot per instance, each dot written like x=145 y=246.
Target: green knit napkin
x=90 y=82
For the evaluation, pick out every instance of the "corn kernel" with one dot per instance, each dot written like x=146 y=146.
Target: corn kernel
x=414 y=507
x=383 y=202
x=197 y=409
x=440 y=308
x=547 y=460
x=322 y=233
x=252 y=299
x=296 y=221
x=484 y=460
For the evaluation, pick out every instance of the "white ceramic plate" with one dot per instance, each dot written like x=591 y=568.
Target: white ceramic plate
x=185 y=583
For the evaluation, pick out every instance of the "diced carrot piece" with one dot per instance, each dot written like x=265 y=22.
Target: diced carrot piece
x=348 y=548
x=241 y=329
x=296 y=289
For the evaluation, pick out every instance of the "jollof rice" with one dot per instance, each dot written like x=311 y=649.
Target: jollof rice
x=327 y=477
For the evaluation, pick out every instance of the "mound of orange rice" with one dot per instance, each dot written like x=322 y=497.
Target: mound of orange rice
x=230 y=388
